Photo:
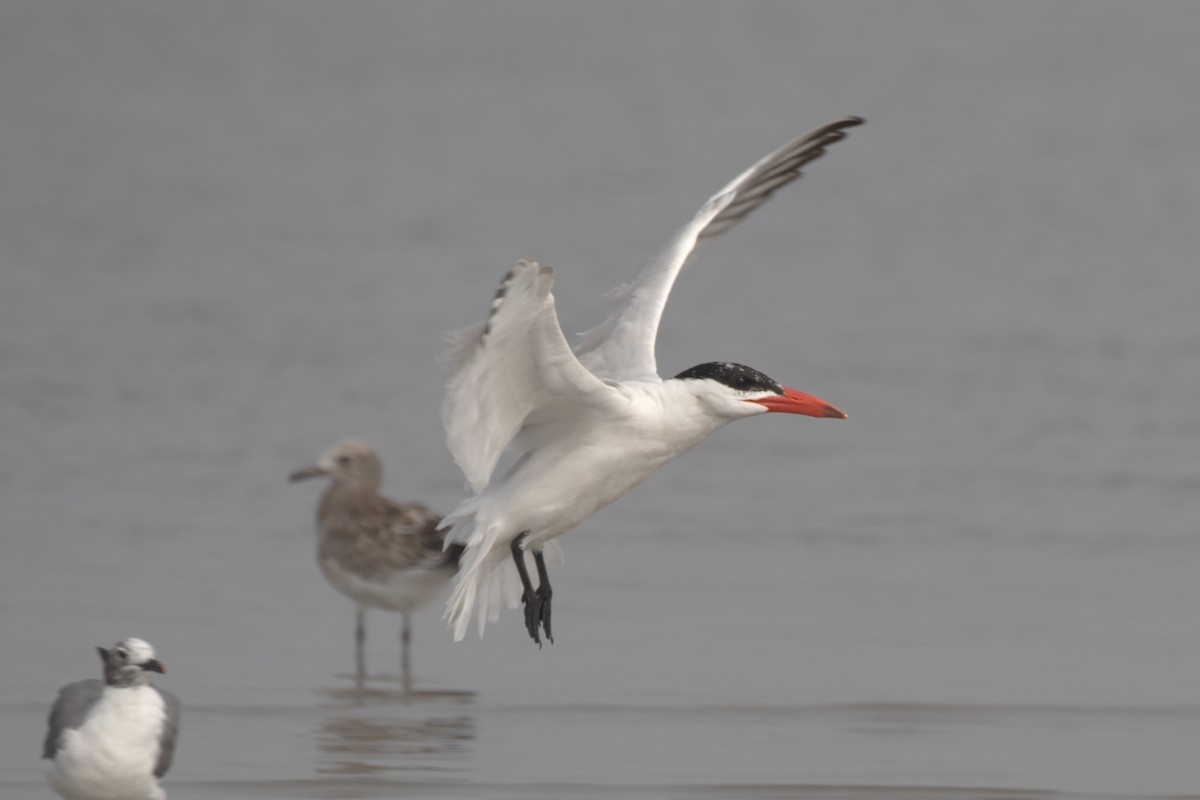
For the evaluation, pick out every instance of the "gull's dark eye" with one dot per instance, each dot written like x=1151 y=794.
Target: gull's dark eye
x=121 y=654
x=343 y=460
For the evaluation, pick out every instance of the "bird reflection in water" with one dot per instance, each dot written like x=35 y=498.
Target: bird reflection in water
x=386 y=733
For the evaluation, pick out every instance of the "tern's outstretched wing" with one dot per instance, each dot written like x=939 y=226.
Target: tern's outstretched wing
x=622 y=347
x=514 y=367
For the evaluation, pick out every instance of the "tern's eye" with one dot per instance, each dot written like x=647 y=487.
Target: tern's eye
x=742 y=383
x=121 y=654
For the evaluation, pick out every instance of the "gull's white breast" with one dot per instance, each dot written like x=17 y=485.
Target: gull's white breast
x=112 y=755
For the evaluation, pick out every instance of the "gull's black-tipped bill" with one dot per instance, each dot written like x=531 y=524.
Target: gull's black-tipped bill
x=153 y=665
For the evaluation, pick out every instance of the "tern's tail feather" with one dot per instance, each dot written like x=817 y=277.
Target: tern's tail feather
x=487 y=578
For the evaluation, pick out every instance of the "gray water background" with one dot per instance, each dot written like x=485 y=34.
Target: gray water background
x=234 y=232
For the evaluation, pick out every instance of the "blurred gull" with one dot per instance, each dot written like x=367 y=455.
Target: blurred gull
x=377 y=552
x=113 y=739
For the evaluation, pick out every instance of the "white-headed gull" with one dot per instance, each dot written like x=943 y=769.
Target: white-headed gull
x=113 y=739
x=377 y=552
x=592 y=423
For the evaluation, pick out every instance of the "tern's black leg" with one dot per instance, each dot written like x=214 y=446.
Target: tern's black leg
x=544 y=593
x=531 y=622
x=537 y=603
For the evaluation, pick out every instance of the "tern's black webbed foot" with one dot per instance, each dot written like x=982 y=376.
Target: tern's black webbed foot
x=537 y=613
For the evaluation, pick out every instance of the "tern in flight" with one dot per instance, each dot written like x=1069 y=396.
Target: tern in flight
x=594 y=422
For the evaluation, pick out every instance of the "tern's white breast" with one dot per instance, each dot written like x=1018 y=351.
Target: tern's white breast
x=564 y=481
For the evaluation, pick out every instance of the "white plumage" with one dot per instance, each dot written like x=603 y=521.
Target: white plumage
x=593 y=423
x=113 y=739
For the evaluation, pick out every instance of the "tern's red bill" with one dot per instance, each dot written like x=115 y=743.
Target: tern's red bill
x=793 y=402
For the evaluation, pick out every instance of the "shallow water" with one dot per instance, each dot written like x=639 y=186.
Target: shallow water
x=234 y=233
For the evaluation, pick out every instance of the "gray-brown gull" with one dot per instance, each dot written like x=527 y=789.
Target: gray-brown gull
x=377 y=552
x=592 y=423
x=113 y=739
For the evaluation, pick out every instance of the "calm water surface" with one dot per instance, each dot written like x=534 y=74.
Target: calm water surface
x=234 y=233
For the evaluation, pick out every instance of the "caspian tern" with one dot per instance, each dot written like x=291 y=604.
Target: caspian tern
x=377 y=552
x=592 y=423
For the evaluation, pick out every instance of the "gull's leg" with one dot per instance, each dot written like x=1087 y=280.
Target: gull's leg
x=543 y=593
x=405 y=660
x=531 y=612
x=360 y=639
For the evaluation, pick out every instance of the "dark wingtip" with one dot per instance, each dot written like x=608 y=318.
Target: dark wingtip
x=454 y=552
x=845 y=122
